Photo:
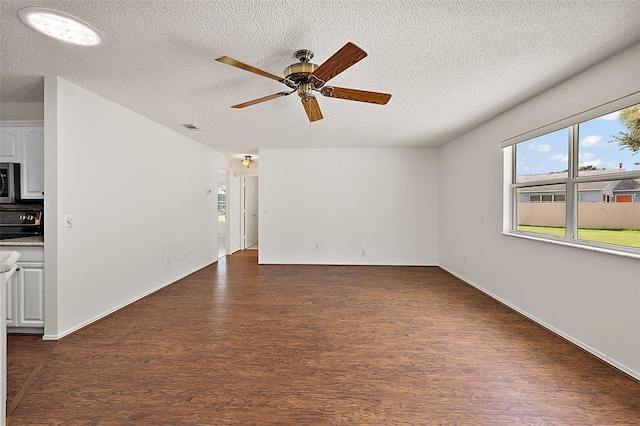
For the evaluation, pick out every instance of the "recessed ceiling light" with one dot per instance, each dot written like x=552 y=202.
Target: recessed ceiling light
x=60 y=26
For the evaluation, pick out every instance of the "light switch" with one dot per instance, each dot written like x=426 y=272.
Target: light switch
x=68 y=221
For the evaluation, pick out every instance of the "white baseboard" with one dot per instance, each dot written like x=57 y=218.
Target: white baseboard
x=122 y=305
x=593 y=351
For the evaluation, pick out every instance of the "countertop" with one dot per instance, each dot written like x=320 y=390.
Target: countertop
x=37 y=241
x=7 y=260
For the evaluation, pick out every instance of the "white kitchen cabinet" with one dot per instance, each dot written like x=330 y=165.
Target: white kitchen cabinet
x=25 y=293
x=9 y=144
x=32 y=163
x=30 y=295
x=25 y=299
x=23 y=142
x=12 y=302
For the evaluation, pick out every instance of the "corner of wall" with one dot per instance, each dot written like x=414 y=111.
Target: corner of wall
x=51 y=205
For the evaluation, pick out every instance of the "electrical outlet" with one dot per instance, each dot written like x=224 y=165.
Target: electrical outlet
x=464 y=259
x=168 y=260
x=185 y=254
x=362 y=252
x=482 y=217
x=317 y=246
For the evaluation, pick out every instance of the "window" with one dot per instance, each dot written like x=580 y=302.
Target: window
x=222 y=203
x=579 y=184
x=542 y=216
x=547 y=198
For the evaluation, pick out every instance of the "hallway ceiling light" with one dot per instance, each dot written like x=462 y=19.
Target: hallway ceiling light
x=60 y=26
x=248 y=161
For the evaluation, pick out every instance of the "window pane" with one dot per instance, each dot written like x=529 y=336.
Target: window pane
x=610 y=143
x=543 y=158
x=542 y=218
x=222 y=203
x=612 y=222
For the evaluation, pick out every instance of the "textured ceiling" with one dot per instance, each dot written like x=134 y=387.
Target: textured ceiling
x=449 y=65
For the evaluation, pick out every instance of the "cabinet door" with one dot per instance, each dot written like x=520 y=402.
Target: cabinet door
x=31 y=296
x=12 y=304
x=9 y=144
x=32 y=165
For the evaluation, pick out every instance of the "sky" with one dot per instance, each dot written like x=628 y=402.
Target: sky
x=548 y=153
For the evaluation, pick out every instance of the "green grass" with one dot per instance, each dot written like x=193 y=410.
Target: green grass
x=542 y=230
x=624 y=237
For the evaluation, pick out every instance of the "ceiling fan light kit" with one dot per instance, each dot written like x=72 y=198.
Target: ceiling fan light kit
x=305 y=77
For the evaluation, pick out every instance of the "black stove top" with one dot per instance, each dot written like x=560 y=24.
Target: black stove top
x=17 y=221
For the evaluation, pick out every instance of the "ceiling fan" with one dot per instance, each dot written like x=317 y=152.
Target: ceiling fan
x=304 y=77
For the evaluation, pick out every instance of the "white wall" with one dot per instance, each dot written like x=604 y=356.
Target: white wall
x=383 y=201
x=22 y=111
x=137 y=192
x=591 y=298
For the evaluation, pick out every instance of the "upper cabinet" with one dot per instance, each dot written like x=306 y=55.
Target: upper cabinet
x=24 y=143
x=9 y=144
x=32 y=164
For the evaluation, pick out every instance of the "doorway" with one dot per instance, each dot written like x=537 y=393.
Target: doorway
x=250 y=210
x=222 y=214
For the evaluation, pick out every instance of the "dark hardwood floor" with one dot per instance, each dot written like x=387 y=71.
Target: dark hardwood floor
x=238 y=343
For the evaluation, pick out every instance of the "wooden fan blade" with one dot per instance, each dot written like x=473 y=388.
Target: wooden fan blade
x=355 y=95
x=310 y=104
x=263 y=99
x=340 y=61
x=230 y=61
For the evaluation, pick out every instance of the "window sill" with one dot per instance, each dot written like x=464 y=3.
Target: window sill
x=584 y=246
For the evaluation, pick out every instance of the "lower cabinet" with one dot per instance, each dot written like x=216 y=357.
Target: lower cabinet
x=25 y=299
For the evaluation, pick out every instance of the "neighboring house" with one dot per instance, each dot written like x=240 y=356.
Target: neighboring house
x=627 y=191
x=620 y=191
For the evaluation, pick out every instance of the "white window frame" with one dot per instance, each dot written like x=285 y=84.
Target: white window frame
x=572 y=180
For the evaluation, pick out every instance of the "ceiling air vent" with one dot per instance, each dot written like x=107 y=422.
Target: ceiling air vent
x=190 y=127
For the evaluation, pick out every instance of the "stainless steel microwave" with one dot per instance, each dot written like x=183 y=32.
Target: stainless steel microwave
x=9 y=183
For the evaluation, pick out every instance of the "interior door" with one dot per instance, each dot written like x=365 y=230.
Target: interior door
x=250 y=212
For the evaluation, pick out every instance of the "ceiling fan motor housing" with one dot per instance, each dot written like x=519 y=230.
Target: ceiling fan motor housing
x=300 y=71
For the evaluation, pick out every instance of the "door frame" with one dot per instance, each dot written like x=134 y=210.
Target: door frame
x=227 y=211
x=243 y=207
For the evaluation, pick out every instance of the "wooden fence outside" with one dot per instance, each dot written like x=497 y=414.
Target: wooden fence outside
x=590 y=215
